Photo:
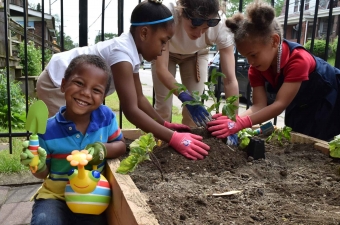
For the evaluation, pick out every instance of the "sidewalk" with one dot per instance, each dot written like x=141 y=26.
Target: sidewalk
x=15 y=193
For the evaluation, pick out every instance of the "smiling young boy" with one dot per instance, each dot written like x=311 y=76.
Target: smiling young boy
x=83 y=122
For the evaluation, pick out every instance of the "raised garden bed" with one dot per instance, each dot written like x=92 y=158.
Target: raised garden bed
x=295 y=184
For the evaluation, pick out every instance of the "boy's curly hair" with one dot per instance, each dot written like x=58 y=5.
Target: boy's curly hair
x=258 y=24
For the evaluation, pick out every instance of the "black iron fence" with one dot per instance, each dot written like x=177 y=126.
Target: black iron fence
x=295 y=15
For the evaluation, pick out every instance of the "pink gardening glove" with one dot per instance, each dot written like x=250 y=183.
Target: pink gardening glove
x=223 y=126
x=189 y=145
x=216 y=116
x=176 y=126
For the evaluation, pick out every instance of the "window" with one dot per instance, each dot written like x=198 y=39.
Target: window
x=307 y=4
x=296 y=6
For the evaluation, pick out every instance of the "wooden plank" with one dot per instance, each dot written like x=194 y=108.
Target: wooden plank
x=128 y=205
x=305 y=139
x=132 y=134
x=324 y=148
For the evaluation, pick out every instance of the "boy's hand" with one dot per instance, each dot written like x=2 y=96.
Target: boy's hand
x=98 y=152
x=198 y=113
x=189 y=145
x=27 y=156
x=223 y=126
x=176 y=126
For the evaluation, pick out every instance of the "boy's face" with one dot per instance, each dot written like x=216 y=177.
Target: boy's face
x=84 y=90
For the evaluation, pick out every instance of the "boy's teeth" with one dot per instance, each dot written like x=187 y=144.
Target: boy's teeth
x=81 y=102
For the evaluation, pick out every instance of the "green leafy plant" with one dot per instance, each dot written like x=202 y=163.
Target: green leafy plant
x=334 y=147
x=18 y=109
x=33 y=58
x=228 y=109
x=279 y=134
x=244 y=137
x=319 y=48
x=140 y=150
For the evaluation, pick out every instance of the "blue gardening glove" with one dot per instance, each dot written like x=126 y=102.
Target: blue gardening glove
x=28 y=159
x=98 y=152
x=232 y=139
x=198 y=113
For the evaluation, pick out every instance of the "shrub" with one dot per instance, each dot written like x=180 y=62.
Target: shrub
x=18 y=112
x=33 y=58
x=335 y=45
x=319 y=48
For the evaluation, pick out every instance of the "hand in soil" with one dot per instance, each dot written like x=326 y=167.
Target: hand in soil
x=222 y=126
x=189 y=145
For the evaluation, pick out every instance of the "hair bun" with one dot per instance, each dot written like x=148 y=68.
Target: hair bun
x=157 y=1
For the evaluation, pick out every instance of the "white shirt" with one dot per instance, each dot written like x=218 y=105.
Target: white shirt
x=119 y=49
x=180 y=43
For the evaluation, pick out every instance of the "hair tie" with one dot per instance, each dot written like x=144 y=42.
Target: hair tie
x=152 y=22
x=157 y=1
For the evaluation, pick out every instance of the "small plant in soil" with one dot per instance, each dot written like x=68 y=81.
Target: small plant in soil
x=334 y=147
x=228 y=109
x=244 y=137
x=140 y=150
x=279 y=134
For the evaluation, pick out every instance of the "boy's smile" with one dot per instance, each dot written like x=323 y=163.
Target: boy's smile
x=84 y=91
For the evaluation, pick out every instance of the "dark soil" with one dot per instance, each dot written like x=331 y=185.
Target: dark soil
x=295 y=184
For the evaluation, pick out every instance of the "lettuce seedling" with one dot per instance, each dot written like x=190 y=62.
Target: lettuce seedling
x=140 y=150
x=334 y=147
x=244 y=137
x=280 y=133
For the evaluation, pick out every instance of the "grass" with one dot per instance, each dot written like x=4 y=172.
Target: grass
x=10 y=163
x=112 y=102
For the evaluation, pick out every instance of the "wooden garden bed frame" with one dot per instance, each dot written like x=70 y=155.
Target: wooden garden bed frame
x=128 y=206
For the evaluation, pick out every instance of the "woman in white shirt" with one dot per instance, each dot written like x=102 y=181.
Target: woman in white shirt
x=198 y=25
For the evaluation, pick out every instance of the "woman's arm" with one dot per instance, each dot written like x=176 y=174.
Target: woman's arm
x=284 y=97
x=126 y=87
x=162 y=70
x=227 y=61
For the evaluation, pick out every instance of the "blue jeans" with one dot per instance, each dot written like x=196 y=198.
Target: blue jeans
x=56 y=212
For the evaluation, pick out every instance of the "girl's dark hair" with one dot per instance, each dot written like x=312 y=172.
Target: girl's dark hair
x=200 y=8
x=94 y=60
x=258 y=24
x=149 y=11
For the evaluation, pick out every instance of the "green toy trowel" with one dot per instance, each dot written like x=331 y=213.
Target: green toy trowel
x=36 y=123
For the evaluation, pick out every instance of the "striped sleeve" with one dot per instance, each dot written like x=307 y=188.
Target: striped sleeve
x=115 y=132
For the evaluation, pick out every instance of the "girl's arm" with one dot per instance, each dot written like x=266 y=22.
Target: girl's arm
x=227 y=61
x=143 y=102
x=127 y=88
x=284 y=97
x=115 y=149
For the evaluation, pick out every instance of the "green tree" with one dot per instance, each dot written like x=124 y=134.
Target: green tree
x=68 y=42
x=107 y=36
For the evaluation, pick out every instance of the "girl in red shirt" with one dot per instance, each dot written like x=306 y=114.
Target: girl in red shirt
x=303 y=85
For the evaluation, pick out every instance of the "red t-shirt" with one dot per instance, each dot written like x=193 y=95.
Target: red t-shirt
x=296 y=68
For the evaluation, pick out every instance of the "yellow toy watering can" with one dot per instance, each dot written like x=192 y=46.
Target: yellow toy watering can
x=87 y=192
x=36 y=123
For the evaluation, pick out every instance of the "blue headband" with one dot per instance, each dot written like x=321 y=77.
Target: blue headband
x=152 y=22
